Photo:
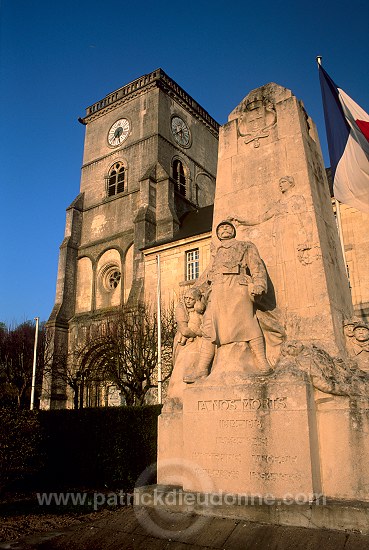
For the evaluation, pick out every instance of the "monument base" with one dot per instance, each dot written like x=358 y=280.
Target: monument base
x=170 y=448
x=255 y=438
x=268 y=438
x=343 y=425
x=321 y=514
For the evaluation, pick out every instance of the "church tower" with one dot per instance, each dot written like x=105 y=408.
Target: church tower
x=150 y=157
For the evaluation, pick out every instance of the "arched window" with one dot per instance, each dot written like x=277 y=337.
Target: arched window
x=116 y=179
x=179 y=177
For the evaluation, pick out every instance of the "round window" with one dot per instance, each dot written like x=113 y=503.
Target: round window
x=110 y=276
x=114 y=279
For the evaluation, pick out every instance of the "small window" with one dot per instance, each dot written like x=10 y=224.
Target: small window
x=179 y=177
x=116 y=179
x=110 y=276
x=192 y=264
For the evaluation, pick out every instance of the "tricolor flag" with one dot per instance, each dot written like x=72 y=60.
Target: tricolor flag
x=347 y=127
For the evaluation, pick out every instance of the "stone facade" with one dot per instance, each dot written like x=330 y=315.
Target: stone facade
x=355 y=227
x=113 y=234
x=150 y=157
x=181 y=258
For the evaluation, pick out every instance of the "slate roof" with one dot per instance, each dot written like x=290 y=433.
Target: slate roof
x=192 y=223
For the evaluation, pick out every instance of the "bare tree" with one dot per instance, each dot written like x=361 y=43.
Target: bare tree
x=16 y=362
x=126 y=352
x=56 y=369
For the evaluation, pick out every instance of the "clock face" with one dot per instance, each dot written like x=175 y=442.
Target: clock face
x=118 y=132
x=181 y=131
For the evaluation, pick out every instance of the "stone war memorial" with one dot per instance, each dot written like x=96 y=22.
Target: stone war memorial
x=269 y=394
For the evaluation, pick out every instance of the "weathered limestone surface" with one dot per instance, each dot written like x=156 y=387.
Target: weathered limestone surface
x=269 y=137
x=356 y=240
x=170 y=448
x=276 y=438
x=256 y=438
x=344 y=446
x=302 y=429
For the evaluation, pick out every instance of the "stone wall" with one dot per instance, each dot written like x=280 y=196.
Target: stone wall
x=355 y=226
x=173 y=265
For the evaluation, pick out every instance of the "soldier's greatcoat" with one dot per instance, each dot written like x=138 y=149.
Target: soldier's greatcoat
x=230 y=313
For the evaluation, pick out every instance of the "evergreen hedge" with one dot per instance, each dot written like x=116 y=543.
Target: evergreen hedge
x=91 y=448
x=20 y=438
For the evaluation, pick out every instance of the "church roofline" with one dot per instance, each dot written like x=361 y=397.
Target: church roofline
x=192 y=224
x=157 y=78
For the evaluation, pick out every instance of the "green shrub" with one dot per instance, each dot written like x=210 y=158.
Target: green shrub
x=19 y=445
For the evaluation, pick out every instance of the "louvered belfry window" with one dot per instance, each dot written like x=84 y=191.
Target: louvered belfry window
x=116 y=179
x=179 y=177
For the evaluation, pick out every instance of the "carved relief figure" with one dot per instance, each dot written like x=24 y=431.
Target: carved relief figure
x=292 y=240
x=289 y=204
x=328 y=374
x=235 y=278
x=348 y=329
x=257 y=120
x=188 y=314
x=360 y=345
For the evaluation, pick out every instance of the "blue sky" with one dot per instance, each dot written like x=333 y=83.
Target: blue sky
x=57 y=58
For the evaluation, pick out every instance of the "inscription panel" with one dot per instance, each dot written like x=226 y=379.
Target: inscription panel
x=234 y=424
x=244 y=404
x=250 y=439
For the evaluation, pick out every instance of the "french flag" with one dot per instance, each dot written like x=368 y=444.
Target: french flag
x=347 y=126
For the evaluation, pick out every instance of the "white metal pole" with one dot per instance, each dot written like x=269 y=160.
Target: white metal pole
x=340 y=233
x=159 y=330
x=34 y=365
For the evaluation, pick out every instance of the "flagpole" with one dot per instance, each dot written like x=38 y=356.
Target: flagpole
x=340 y=233
x=34 y=365
x=159 y=330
